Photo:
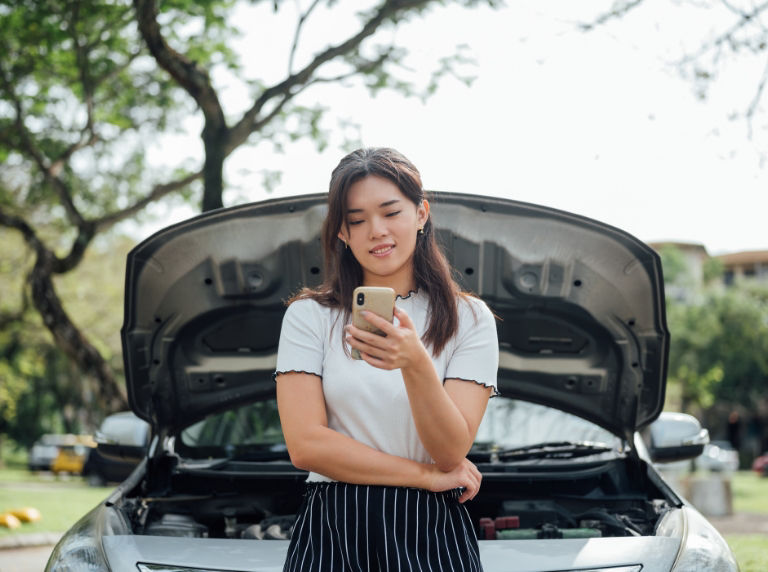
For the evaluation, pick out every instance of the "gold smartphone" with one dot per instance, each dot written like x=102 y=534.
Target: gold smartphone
x=376 y=299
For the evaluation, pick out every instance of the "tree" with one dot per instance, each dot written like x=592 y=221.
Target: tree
x=41 y=390
x=85 y=85
x=71 y=117
x=730 y=34
x=719 y=339
x=338 y=61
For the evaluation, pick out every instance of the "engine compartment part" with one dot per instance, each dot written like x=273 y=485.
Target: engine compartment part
x=602 y=500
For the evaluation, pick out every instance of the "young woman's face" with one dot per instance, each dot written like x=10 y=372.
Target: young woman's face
x=381 y=230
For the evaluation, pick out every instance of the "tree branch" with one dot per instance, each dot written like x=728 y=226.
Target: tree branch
x=247 y=124
x=157 y=192
x=81 y=57
x=297 y=32
x=187 y=73
x=68 y=337
x=619 y=9
x=744 y=19
x=29 y=147
x=57 y=321
x=16 y=222
x=756 y=99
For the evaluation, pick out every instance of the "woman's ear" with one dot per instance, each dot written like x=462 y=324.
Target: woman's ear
x=422 y=212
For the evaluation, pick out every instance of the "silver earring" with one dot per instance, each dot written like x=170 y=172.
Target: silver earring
x=421 y=230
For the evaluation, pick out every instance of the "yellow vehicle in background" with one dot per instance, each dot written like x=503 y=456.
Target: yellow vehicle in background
x=73 y=454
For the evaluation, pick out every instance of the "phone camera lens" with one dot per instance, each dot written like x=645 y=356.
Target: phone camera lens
x=360 y=298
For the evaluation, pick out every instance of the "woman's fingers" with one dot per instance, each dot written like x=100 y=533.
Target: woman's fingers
x=404 y=319
x=465 y=476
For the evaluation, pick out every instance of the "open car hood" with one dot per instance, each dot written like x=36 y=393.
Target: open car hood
x=581 y=305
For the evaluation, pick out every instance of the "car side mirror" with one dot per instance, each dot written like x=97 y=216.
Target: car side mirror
x=676 y=437
x=121 y=448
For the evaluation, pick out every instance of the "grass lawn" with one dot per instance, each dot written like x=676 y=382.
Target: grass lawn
x=750 y=492
x=751 y=551
x=750 y=495
x=61 y=502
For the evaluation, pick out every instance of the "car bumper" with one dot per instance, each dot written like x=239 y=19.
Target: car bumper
x=654 y=553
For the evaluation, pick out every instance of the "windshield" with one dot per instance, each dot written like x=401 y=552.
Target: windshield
x=234 y=433
x=507 y=424
x=511 y=423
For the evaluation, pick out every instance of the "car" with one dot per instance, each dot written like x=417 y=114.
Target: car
x=43 y=452
x=568 y=481
x=718 y=456
x=121 y=442
x=70 y=459
x=760 y=464
x=59 y=453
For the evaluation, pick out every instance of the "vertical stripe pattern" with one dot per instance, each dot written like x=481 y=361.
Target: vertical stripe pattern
x=362 y=528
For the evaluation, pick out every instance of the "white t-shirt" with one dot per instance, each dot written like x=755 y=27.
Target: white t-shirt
x=371 y=404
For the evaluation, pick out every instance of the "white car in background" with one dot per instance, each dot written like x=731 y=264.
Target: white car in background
x=718 y=456
x=568 y=483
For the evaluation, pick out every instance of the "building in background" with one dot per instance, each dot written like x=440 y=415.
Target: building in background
x=751 y=264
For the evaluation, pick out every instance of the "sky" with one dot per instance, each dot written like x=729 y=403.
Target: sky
x=600 y=123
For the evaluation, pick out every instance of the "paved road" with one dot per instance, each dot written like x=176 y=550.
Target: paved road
x=31 y=559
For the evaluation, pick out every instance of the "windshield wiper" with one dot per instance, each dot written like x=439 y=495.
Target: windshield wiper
x=548 y=450
x=256 y=455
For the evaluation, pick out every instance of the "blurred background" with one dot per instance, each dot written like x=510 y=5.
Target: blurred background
x=119 y=118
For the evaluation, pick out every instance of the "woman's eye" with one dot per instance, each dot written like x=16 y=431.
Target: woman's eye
x=354 y=222
x=393 y=213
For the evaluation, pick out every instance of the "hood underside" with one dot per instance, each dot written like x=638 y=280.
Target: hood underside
x=580 y=304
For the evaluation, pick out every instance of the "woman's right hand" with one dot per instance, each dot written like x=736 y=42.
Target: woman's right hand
x=465 y=475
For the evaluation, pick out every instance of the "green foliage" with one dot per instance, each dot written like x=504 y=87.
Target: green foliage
x=713 y=270
x=719 y=347
x=80 y=99
x=201 y=30
x=674 y=264
x=40 y=390
x=78 y=88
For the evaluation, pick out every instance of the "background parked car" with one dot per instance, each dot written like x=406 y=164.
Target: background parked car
x=121 y=442
x=760 y=464
x=59 y=453
x=71 y=457
x=43 y=452
x=718 y=456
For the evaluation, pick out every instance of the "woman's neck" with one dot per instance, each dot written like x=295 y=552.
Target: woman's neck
x=401 y=285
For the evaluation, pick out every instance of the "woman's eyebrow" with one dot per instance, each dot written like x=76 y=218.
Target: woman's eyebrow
x=381 y=206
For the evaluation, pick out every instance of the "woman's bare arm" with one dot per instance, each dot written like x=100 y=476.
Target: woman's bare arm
x=313 y=446
x=446 y=415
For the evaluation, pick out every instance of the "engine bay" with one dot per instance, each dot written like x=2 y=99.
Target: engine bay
x=605 y=499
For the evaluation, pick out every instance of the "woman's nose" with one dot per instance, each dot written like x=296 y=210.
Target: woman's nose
x=378 y=227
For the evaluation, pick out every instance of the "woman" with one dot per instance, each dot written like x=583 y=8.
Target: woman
x=385 y=437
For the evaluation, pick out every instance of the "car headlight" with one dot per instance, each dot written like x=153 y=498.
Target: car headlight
x=80 y=549
x=701 y=546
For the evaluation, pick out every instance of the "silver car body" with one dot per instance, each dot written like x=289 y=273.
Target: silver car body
x=583 y=356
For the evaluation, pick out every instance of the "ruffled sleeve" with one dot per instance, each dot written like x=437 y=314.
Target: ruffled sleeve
x=476 y=354
x=302 y=339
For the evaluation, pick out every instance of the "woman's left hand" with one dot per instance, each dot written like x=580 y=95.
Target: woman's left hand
x=399 y=348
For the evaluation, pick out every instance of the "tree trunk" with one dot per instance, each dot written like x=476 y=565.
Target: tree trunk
x=69 y=338
x=215 y=142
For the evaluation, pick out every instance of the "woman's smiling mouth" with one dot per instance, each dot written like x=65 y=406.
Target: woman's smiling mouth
x=382 y=250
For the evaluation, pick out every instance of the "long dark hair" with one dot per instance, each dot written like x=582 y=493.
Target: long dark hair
x=343 y=272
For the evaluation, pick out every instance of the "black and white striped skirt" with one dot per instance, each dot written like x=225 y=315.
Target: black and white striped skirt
x=366 y=528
